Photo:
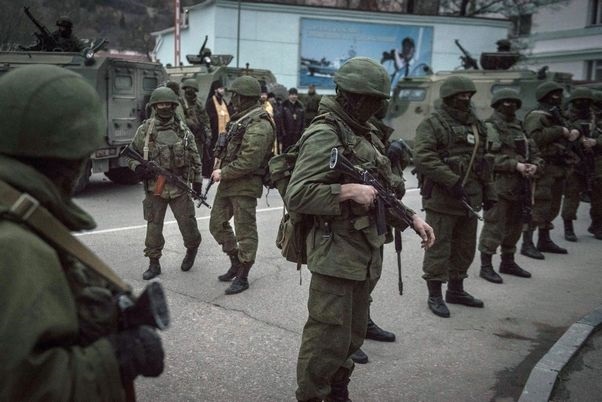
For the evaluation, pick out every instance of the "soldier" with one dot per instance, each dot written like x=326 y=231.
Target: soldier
x=342 y=270
x=242 y=166
x=548 y=128
x=196 y=116
x=596 y=198
x=579 y=181
x=63 y=37
x=166 y=140
x=59 y=338
x=516 y=163
x=449 y=155
x=311 y=101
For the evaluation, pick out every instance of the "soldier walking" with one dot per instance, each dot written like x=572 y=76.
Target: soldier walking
x=166 y=140
x=516 y=164
x=449 y=154
x=240 y=168
x=342 y=270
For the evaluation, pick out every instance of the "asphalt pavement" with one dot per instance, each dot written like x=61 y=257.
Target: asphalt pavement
x=244 y=347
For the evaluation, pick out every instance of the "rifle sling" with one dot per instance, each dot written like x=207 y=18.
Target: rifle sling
x=475 y=132
x=29 y=211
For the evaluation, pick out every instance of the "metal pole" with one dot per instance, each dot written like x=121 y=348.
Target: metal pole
x=177 y=26
x=238 y=38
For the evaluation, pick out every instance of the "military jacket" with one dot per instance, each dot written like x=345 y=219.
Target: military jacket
x=171 y=145
x=344 y=241
x=442 y=153
x=244 y=160
x=311 y=103
x=55 y=312
x=547 y=132
x=509 y=144
x=196 y=119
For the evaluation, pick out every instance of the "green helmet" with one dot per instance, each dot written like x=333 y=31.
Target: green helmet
x=456 y=84
x=49 y=112
x=545 y=89
x=581 y=93
x=64 y=21
x=190 y=83
x=163 y=95
x=362 y=75
x=597 y=95
x=246 y=86
x=506 y=94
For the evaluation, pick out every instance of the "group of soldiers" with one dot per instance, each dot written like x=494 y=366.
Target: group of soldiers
x=77 y=345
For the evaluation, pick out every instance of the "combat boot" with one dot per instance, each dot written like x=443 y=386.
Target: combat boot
x=528 y=249
x=435 y=300
x=546 y=245
x=240 y=283
x=569 y=231
x=456 y=294
x=487 y=271
x=508 y=266
x=359 y=357
x=339 y=391
x=154 y=269
x=376 y=333
x=189 y=258
x=234 y=267
x=596 y=229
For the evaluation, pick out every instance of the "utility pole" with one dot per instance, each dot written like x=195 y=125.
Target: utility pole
x=177 y=26
x=238 y=37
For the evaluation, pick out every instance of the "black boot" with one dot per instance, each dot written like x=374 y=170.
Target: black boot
x=596 y=229
x=234 y=267
x=339 y=391
x=240 y=283
x=435 y=300
x=487 y=271
x=528 y=249
x=508 y=266
x=154 y=269
x=376 y=333
x=546 y=245
x=188 y=260
x=569 y=231
x=359 y=357
x=455 y=294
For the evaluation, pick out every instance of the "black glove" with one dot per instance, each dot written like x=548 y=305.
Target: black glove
x=143 y=172
x=138 y=351
x=198 y=187
x=457 y=191
x=488 y=204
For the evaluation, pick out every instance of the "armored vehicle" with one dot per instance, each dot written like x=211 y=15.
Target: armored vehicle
x=124 y=86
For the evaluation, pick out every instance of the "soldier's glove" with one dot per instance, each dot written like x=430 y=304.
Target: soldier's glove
x=457 y=191
x=139 y=352
x=198 y=187
x=144 y=173
x=488 y=204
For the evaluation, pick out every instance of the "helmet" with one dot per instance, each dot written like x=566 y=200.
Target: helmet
x=581 y=93
x=456 y=85
x=597 y=95
x=49 y=112
x=64 y=22
x=190 y=83
x=506 y=94
x=163 y=95
x=546 y=88
x=362 y=75
x=246 y=86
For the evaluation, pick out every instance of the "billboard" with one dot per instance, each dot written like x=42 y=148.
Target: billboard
x=404 y=50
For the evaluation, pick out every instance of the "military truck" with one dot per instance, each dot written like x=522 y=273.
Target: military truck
x=124 y=87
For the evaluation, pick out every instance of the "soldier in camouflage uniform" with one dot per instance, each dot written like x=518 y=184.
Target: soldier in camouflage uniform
x=548 y=128
x=580 y=117
x=64 y=39
x=242 y=166
x=59 y=338
x=166 y=140
x=311 y=101
x=449 y=155
x=196 y=116
x=344 y=256
x=516 y=163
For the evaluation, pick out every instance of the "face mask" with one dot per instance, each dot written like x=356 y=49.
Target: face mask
x=235 y=99
x=190 y=93
x=460 y=103
x=165 y=113
x=508 y=109
x=554 y=99
x=367 y=106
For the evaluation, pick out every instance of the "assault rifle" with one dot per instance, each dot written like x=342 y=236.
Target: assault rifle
x=169 y=176
x=385 y=198
x=150 y=308
x=468 y=61
x=44 y=37
x=589 y=164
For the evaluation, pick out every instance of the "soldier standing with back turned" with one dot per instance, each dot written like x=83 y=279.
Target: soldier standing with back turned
x=449 y=154
x=516 y=163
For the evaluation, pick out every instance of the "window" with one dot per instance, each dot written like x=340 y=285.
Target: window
x=149 y=83
x=596 y=12
x=594 y=70
x=521 y=24
x=123 y=82
x=412 y=94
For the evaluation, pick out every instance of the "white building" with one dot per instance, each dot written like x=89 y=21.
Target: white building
x=286 y=38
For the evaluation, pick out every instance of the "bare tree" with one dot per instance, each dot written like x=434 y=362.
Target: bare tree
x=507 y=8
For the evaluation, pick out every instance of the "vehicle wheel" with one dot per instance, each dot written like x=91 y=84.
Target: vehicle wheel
x=84 y=179
x=122 y=175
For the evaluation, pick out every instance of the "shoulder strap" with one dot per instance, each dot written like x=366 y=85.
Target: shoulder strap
x=29 y=211
x=149 y=129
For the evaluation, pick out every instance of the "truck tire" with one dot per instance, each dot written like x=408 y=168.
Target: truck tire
x=122 y=175
x=84 y=179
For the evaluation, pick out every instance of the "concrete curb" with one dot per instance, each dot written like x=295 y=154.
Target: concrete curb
x=542 y=379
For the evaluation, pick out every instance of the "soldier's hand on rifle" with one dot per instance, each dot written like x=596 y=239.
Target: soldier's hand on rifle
x=457 y=191
x=198 y=187
x=522 y=168
x=361 y=193
x=216 y=175
x=424 y=230
x=571 y=135
x=589 y=143
x=144 y=172
x=530 y=170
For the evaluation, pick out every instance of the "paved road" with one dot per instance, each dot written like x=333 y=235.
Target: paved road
x=244 y=347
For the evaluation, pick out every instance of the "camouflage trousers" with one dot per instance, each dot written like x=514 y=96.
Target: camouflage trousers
x=242 y=208
x=154 y=208
x=503 y=227
x=454 y=250
x=575 y=185
x=548 y=196
x=335 y=329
